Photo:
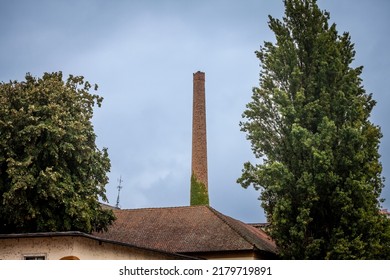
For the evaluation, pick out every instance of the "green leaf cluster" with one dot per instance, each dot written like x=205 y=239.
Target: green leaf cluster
x=308 y=122
x=51 y=172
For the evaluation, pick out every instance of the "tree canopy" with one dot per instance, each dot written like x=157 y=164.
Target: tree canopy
x=309 y=125
x=52 y=174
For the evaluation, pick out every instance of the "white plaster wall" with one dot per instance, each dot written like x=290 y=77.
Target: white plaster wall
x=51 y=247
x=55 y=248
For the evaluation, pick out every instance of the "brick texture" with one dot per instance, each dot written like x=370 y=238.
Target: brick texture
x=199 y=139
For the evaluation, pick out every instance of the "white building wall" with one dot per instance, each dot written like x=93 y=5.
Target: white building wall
x=55 y=248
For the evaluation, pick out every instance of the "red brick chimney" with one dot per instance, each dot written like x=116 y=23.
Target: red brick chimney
x=199 y=181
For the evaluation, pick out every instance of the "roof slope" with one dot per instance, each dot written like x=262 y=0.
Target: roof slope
x=186 y=229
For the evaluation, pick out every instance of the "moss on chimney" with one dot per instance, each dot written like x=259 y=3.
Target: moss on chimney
x=199 y=192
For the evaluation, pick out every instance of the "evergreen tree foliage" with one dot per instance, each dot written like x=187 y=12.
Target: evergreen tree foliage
x=308 y=123
x=51 y=171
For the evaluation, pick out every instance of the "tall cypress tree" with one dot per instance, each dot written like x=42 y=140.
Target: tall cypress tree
x=308 y=122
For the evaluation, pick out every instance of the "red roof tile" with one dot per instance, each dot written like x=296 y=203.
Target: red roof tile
x=186 y=229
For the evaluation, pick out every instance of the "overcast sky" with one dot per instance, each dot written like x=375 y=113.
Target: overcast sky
x=142 y=54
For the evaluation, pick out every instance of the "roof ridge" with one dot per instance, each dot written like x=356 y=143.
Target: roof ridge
x=222 y=217
x=163 y=207
x=225 y=218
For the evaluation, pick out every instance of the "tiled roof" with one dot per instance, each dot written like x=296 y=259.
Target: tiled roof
x=186 y=229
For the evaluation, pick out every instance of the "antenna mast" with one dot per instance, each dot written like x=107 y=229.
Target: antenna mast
x=119 y=191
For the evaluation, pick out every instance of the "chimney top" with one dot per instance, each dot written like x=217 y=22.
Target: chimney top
x=199 y=75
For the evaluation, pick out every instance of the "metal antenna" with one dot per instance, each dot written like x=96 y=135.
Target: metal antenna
x=119 y=191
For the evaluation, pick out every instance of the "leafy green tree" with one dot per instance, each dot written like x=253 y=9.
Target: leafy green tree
x=308 y=123
x=51 y=171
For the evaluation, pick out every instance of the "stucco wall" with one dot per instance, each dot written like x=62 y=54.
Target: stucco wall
x=55 y=248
